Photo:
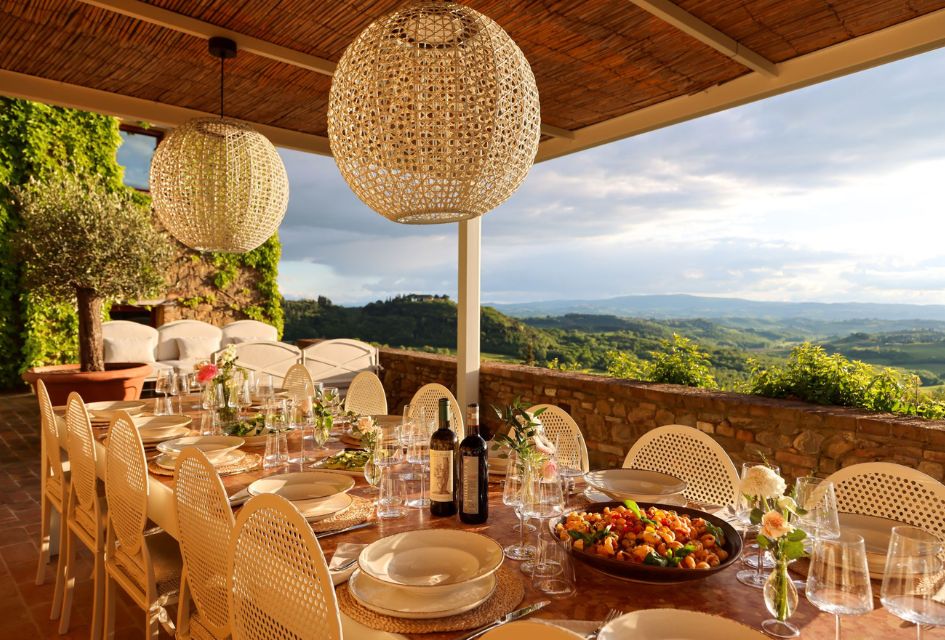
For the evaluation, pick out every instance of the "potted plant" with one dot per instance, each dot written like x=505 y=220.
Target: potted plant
x=81 y=241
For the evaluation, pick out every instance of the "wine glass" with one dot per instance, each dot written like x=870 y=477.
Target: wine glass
x=389 y=448
x=372 y=471
x=162 y=385
x=572 y=459
x=838 y=581
x=543 y=499
x=819 y=499
x=512 y=492
x=418 y=453
x=914 y=579
x=759 y=560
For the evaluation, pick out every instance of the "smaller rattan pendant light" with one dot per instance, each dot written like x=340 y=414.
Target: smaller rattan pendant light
x=217 y=184
x=433 y=114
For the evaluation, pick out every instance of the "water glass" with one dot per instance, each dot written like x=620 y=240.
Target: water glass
x=417 y=439
x=372 y=472
x=838 y=581
x=914 y=579
x=558 y=580
x=543 y=498
x=265 y=386
x=162 y=386
x=210 y=424
x=389 y=450
x=570 y=455
x=391 y=495
x=277 y=450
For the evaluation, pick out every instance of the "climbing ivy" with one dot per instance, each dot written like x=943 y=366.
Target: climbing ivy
x=264 y=260
x=38 y=141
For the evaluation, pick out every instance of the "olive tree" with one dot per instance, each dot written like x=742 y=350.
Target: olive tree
x=82 y=241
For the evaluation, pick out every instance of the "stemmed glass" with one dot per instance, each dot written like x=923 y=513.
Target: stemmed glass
x=838 y=581
x=418 y=452
x=914 y=579
x=372 y=471
x=543 y=499
x=821 y=520
x=162 y=385
x=512 y=496
x=752 y=577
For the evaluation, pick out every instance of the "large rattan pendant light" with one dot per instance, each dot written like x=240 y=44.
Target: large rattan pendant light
x=433 y=114
x=218 y=184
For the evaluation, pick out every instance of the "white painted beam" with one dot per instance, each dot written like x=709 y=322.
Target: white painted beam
x=467 y=317
x=893 y=43
x=707 y=34
x=191 y=26
x=18 y=85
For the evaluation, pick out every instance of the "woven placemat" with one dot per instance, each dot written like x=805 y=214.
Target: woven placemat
x=247 y=463
x=361 y=510
x=508 y=595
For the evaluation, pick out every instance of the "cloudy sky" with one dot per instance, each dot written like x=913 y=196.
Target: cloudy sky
x=831 y=193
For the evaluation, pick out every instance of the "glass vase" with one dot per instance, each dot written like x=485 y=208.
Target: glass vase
x=781 y=600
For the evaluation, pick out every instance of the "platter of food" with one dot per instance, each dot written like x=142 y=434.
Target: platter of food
x=651 y=543
x=349 y=461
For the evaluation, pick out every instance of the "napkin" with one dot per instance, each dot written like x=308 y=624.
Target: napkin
x=239 y=498
x=344 y=553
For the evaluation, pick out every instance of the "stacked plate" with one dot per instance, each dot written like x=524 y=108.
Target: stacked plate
x=105 y=410
x=425 y=574
x=676 y=624
x=220 y=450
x=639 y=485
x=155 y=429
x=876 y=532
x=316 y=494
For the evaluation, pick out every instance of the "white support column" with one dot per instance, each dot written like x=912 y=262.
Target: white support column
x=467 y=325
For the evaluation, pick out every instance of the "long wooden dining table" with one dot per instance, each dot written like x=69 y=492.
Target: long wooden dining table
x=719 y=594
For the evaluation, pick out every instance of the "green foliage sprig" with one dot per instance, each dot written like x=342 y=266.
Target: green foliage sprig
x=679 y=361
x=520 y=430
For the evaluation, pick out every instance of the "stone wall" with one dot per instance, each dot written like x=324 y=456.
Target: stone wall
x=802 y=438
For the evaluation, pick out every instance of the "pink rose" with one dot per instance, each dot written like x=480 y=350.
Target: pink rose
x=206 y=373
x=549 y=469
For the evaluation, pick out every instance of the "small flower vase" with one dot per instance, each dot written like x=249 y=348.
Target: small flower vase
x=781 y=601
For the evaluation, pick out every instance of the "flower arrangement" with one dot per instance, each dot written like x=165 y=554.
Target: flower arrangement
x=772 y=511
x=522 y=434
x=222 y=373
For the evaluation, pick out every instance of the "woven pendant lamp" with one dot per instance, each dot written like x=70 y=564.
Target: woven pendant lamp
x=433 y=114
x=217 y=184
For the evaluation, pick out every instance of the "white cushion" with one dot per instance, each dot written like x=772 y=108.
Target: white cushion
x=241 y=339
x=129 y=349
x=196 y=348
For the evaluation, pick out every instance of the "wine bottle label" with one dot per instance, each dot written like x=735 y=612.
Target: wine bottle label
x=470 y=484
x=441 y=476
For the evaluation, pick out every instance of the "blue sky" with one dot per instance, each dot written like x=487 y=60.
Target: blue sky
x=830 y=193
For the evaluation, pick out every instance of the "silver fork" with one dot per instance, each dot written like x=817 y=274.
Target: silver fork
x=612 y=615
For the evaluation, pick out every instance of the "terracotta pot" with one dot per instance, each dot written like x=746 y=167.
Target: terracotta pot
x=120 y=381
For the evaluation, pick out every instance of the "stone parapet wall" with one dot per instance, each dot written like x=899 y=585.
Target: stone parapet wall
x=802 y=438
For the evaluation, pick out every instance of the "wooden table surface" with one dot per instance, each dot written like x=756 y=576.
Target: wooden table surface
x=720 y=594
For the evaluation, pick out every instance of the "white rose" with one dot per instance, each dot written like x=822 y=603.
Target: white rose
x=774 y=525
x=762 y=482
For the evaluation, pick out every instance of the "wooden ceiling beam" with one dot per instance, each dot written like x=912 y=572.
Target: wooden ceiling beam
x=19 y=85
x=198 y=28
x=905 y=39
x=707 y=34
x=193 y=27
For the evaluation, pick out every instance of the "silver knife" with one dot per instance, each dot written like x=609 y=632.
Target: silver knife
x=325 y=534
x=509 y=617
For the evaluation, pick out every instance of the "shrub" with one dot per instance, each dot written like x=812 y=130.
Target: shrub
x=679 y=361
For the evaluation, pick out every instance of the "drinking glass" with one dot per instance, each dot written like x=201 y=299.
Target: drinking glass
x=914 y=579
x=819 y=499
x=276 y=418
x=418 y=453
x=162 y=385
x=571 y=460
x=210 y=424
x=543 y=499
x=389 y=449
x=838 y=581
x=276 y=454
x=512 y=491
x=755 y=557
x=390 y=499
x=265 y=387
x=559 y=581
x=332 y=399
x=372 y=472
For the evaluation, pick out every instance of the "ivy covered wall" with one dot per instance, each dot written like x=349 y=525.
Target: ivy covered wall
x=37 y=141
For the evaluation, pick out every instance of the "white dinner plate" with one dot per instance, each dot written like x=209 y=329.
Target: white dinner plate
x=398 y=602
x=106 y=409
x=315 y=510
x=635 y=484
x=214 y=447
x=302 y=485
x=167 y=462
x=419 y=560
x=676 y=500
x=149 y=420
x=531 y=630
x=876 y=532
x=154 y=435
x=677 y=624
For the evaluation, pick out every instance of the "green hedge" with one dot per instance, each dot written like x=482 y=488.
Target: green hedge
x=37 y=141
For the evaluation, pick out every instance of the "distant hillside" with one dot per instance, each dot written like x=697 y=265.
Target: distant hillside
x=686 y=306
